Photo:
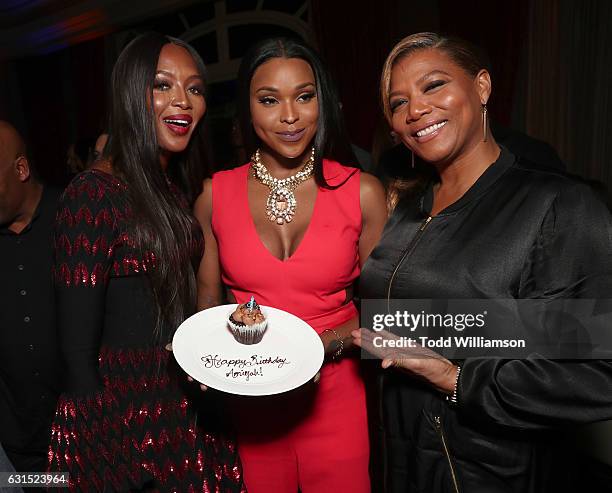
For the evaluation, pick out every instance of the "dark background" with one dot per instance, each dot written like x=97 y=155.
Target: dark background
x=551 y=61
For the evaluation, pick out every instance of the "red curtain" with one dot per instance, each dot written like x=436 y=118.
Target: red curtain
x=500 y=28
x=63 y=97
x=354 y=38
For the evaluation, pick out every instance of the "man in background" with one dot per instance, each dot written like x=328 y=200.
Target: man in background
x=29 y=359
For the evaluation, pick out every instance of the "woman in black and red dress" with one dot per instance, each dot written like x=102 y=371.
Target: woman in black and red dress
x=125 y=246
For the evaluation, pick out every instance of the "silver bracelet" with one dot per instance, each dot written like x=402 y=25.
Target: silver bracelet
x=452 y=398
x=338 y=352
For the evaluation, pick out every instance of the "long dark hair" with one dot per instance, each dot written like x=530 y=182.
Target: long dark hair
x=331 y=140
x=161 y=223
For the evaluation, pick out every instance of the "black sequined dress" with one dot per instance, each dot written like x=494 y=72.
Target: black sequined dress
x=124 y=422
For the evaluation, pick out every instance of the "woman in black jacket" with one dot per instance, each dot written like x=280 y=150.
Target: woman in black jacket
x=492 y=227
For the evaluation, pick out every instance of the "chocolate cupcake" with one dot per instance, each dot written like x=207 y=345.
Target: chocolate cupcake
x=247 y=323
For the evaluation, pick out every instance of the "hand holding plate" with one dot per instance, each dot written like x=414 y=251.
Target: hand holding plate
x=189 y=379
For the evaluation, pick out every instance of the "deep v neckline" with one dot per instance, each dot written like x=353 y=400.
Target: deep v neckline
x=253 y=226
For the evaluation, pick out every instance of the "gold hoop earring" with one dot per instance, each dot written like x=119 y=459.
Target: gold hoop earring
x=484 y=123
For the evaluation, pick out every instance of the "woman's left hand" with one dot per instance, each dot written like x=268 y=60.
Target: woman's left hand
x=419 y=361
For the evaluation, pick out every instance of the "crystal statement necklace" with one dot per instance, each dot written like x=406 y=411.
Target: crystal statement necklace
x=281 y=203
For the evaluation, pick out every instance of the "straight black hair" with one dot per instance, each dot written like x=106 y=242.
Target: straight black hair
x=331 y=140
x=162 y=222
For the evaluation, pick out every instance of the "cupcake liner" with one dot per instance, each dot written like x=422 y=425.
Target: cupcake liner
x=247 y=334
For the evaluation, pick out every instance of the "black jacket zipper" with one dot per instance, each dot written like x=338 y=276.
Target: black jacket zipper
x=408 y=251
x=440 y=430
x=437 y=420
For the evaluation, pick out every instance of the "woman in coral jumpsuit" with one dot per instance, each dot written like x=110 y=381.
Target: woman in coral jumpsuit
x=301 y=257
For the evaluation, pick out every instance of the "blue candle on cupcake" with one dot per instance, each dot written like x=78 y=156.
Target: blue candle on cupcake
x=247 y=323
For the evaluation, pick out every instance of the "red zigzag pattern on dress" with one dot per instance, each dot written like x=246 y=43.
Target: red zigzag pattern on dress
x=77 y=448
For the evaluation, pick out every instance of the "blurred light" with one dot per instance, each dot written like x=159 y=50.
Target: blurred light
x=8 y=5
x=82 y=27
x=83 y=21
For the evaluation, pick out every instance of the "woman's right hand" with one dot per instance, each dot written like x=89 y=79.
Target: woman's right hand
x=202 y=386
x=190 y=379
x=416 y=359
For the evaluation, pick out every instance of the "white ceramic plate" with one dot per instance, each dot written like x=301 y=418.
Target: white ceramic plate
x=288 y=356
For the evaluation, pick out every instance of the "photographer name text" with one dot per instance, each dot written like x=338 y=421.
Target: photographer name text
x=447 y=342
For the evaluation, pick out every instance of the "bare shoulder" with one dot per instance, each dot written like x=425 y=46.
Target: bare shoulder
x=105 y=165
x=371 y=189
x=373 y=214
x=202 y=208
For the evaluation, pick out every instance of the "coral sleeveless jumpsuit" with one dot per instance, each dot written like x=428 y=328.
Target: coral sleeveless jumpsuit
x=315 y=437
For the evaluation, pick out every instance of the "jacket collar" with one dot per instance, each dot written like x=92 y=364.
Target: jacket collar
x=504 y=162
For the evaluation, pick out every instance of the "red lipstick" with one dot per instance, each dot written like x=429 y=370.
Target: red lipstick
x=178 y=124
